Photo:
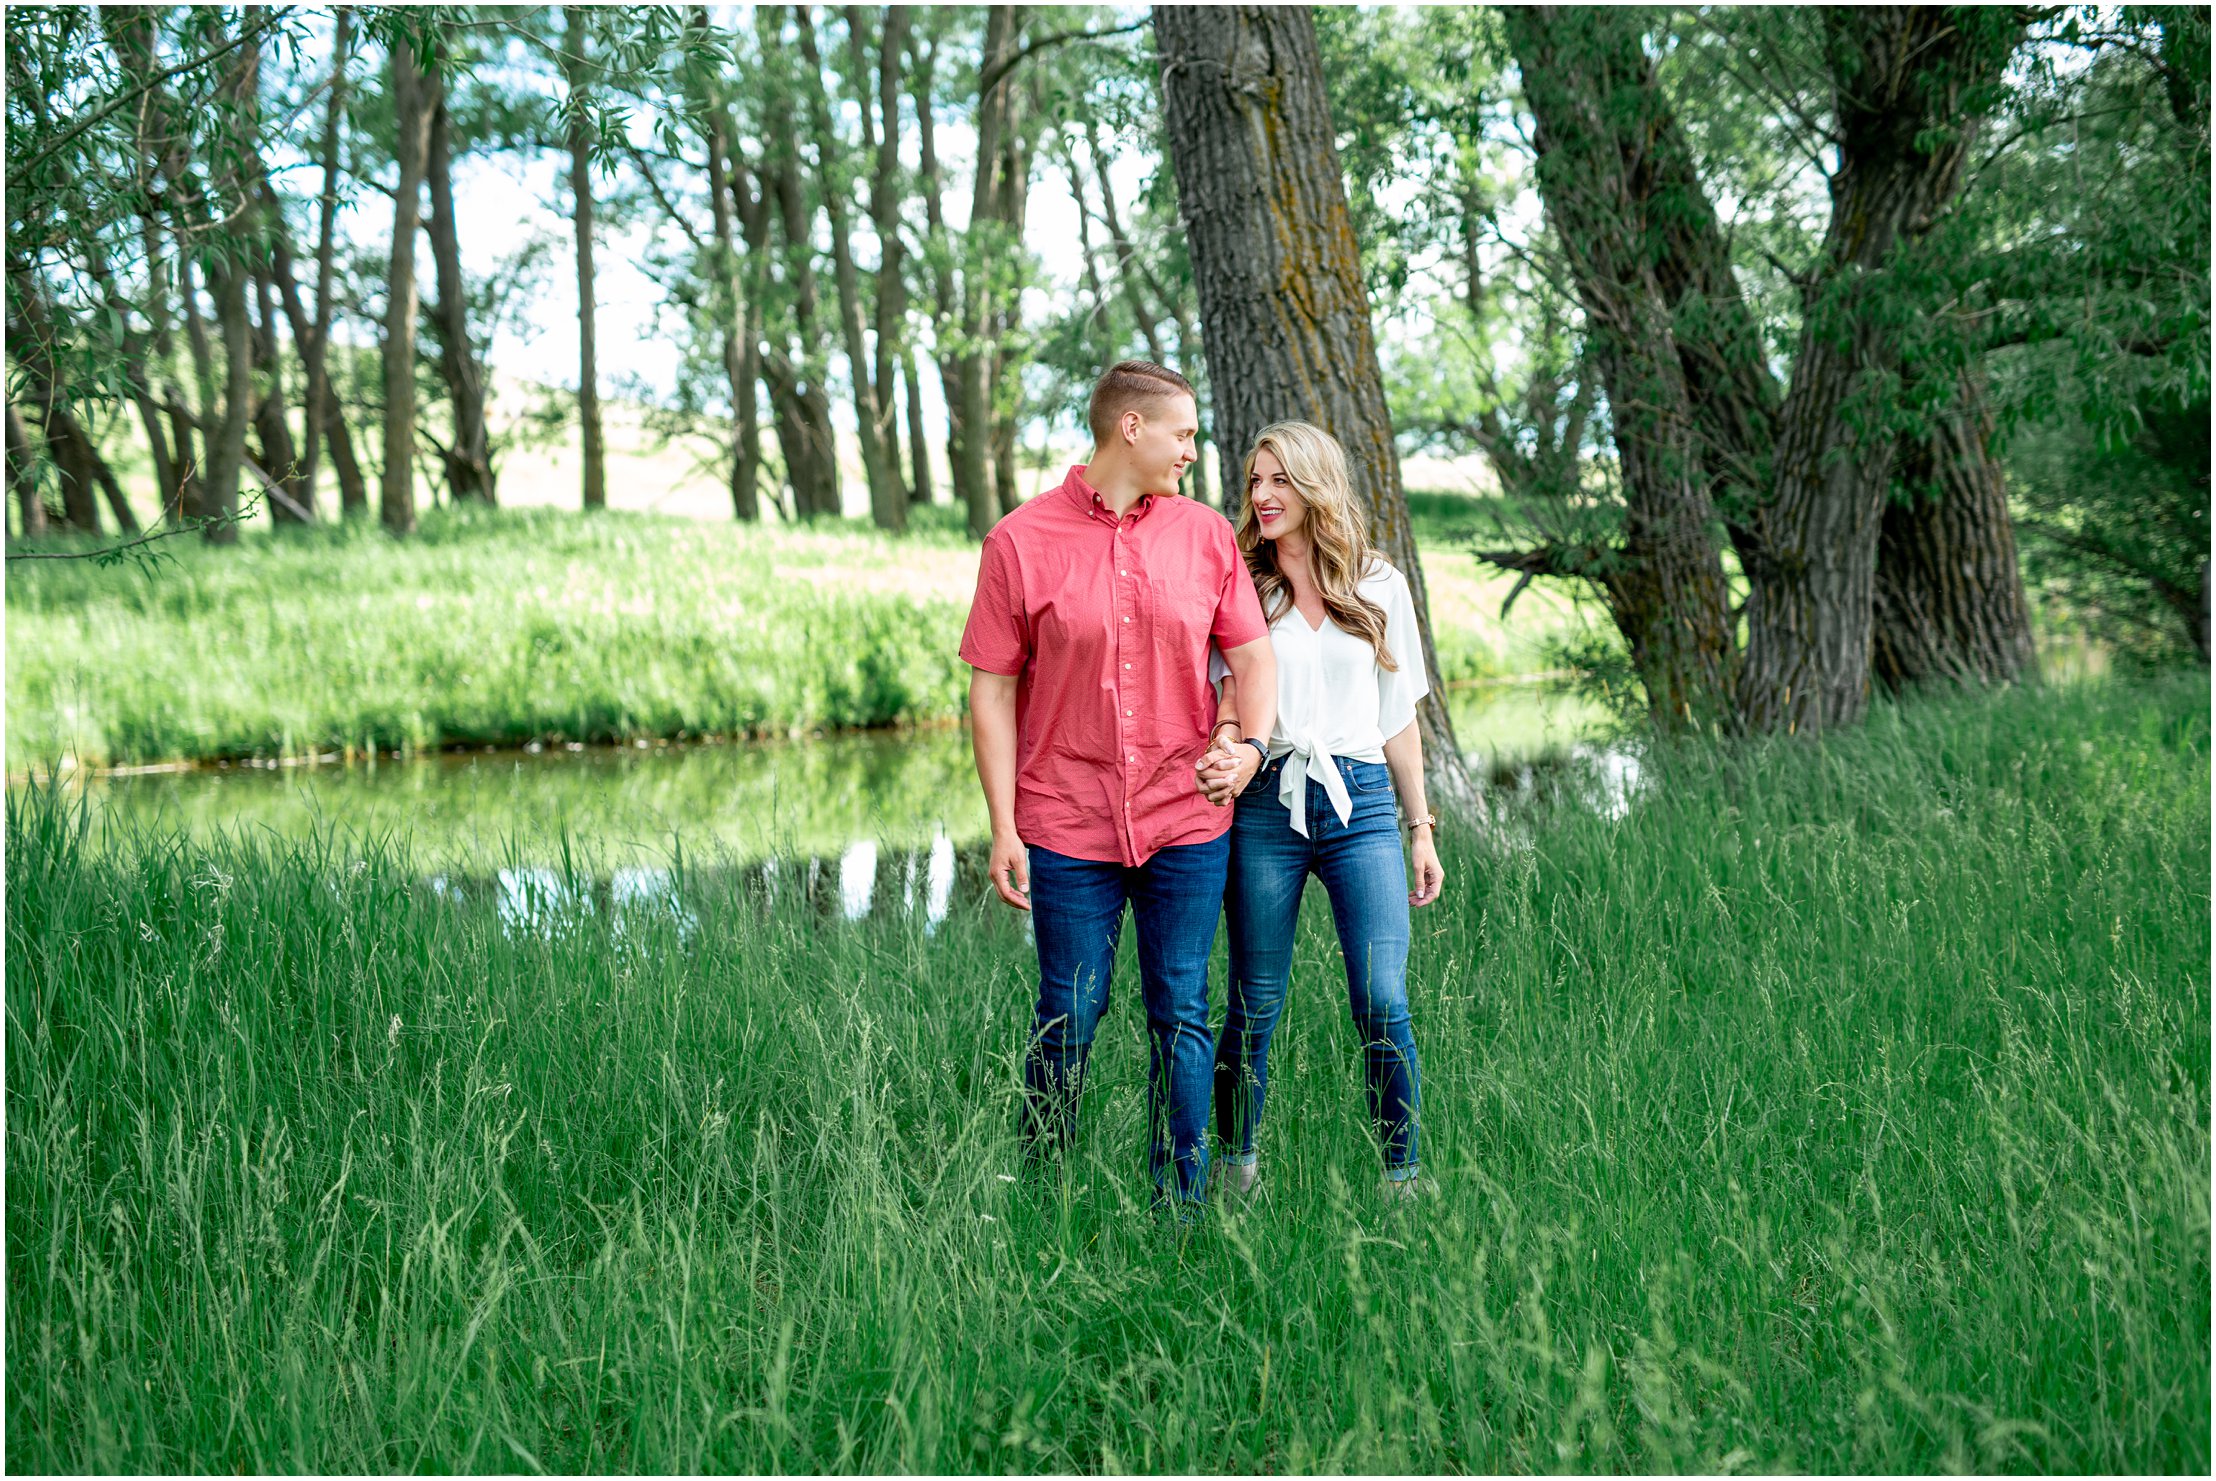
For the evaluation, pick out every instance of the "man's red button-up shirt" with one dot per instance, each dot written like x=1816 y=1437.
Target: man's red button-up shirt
x=1105 y=622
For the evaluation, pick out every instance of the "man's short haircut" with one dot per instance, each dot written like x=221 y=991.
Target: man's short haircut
x=1130 y=385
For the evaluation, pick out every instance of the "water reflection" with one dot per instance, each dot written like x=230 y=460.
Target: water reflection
x=861 y=827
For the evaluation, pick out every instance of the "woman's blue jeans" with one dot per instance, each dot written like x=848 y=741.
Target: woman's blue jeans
x=1077 y=909
x=1360 y=864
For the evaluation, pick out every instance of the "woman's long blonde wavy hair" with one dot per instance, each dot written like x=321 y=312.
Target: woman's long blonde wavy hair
x=1339 y=537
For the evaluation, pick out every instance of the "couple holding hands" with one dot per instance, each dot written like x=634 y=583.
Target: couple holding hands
x=1118 y=633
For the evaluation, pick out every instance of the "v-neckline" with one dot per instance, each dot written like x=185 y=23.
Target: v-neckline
x=1314 y=632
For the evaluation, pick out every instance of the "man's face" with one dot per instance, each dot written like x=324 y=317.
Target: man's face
x=1165 y=443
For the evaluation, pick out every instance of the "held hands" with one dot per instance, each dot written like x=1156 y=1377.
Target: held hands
x=1225 y=768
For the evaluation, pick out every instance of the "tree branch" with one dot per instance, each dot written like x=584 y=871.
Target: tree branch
x=999 y=73
x=144 y=86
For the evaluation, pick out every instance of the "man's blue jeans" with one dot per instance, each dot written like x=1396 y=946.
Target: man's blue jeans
x=1077 y=914
x=1359 y=862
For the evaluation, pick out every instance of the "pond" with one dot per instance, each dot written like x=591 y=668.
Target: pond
x=860 y=823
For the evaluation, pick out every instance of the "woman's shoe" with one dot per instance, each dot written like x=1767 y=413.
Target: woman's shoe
x=1409 y=1189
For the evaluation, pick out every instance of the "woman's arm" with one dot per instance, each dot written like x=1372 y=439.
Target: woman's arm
x=1404 y=759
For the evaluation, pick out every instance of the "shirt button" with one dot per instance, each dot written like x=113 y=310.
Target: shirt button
x=1127 y=665
x=1127 y=619
x=1127 y=713
x=1134 y=757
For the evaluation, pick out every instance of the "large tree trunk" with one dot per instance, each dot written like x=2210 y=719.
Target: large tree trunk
x=23 y=478
x=413 y=105
x=940 y=253
x=1908 y=82
x=1279 y=274
x=880 y=472
x=580 y=191
x=469 y=459
x=972 y=405
x=1598 y=112
x=1950 y=598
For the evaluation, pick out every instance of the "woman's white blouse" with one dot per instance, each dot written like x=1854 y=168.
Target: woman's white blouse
x=1333 y=697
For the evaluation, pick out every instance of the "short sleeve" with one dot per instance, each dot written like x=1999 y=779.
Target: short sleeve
x=1399 y=690
x=997 y=637
x=1238 y=620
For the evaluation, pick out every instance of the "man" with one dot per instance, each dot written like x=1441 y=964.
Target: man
x=1090 y=708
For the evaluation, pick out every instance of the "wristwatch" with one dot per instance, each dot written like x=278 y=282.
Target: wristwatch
x=1260 y=749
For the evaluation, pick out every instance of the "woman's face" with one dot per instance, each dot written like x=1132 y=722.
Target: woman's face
x=1278 y=506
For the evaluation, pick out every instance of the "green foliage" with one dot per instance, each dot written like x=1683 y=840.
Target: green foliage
x=487 y=628
x=1844 y=1106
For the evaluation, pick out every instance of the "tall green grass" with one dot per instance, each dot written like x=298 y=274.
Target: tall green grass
x=487 y=627
x=1843 y=1106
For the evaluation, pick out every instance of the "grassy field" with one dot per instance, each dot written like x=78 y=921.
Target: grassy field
x=1843 y=1106
x=507 y=627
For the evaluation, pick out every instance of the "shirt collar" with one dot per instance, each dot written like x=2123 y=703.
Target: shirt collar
x=1088 y=500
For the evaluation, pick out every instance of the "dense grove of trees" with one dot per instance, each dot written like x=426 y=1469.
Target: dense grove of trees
x=1795 y=336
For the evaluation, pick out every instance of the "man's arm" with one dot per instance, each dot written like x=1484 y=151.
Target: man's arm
x=1252 y=688
x=992 y=700
x=1254 y=671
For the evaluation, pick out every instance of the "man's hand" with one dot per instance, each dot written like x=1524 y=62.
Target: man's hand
x=1011 y=870
x=1225 y=768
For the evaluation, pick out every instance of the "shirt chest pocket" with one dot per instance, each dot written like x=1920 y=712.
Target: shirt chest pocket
x=1180 y=608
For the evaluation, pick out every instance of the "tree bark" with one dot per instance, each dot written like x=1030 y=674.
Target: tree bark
x=919 y=440
x=1598 y=111
x=892 y=286
x=580 y=191
x=469 y=459
x=227 y=452
x=939 y=253
x=272 y=424
x=129 y=29
x=1012 y=190
x=796 y=374
x=736 y=311
x=972 y=359
x=1950 y=602
x=887 y=506
x=337 y=437
x=413 y=106
x=1909 y=85
x=315 y=348
x=23 y=478
x=240 y=90
x=1279 y=274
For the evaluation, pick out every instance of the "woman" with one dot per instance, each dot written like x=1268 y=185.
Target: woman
x=1349 y=675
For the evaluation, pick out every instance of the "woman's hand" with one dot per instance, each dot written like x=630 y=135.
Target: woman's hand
x=1225 y=768
x=1423 y=862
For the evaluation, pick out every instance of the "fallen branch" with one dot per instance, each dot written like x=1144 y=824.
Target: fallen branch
x=109 y=555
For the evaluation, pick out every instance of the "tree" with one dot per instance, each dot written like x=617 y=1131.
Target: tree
x=1279 y=275
x=414 y=102
x=469 y=472
x=578 y=130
